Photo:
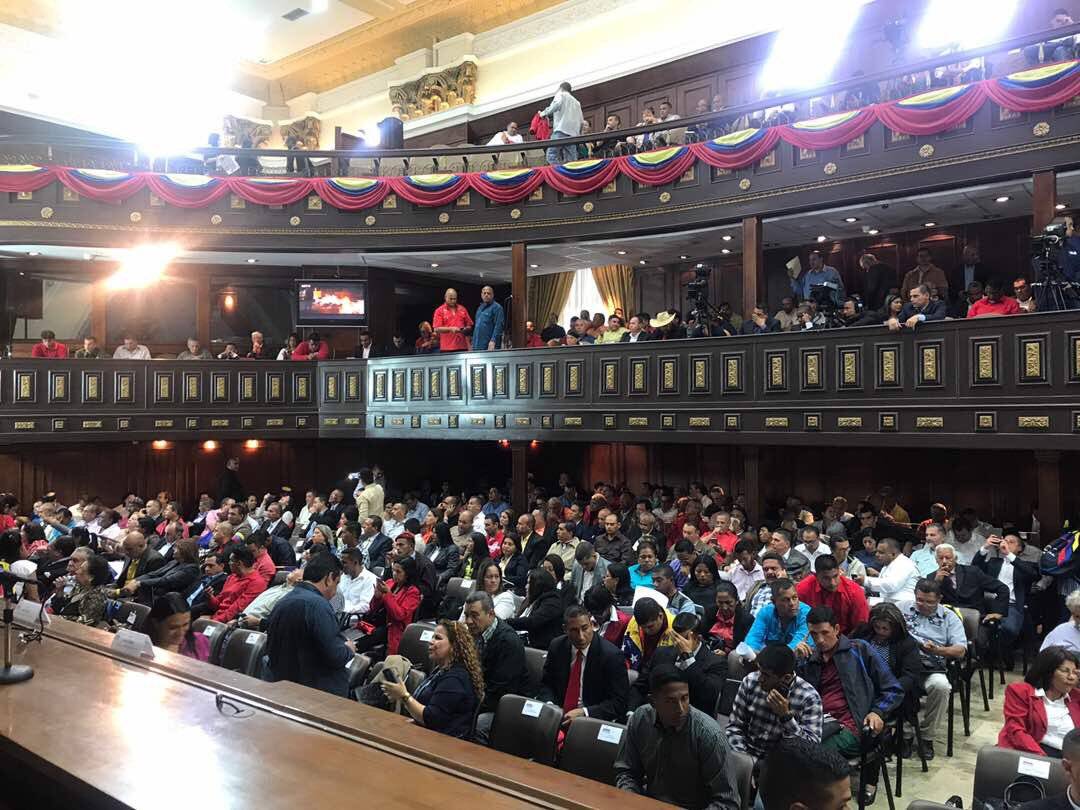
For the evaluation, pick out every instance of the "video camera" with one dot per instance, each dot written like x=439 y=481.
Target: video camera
x=1053 y=291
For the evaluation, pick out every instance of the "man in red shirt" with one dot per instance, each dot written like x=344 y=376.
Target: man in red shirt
x=257 y=542
x=240 y=589
x=827 y=588
x=312 y=349
x=452 y=323
x=994 y=303
x=721 y=535
x=49 y=347
x=532 y=340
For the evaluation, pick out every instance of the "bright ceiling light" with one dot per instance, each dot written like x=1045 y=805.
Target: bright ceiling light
x=142 y=265
x=822 y=238
x=1003 y=198
x=621 y=252
x=725 y=250
x=252 y=261
x=319 y=6
x=87 y=257
x=929 y=224
x=851 y=219
x=684 y=258
x=434 y=265
x=797 y=59
x=1061 y=206
x=964 y=24
x=641 y=261
x=726 y=237
x=534 y=266
x=33 y=253
x=700 y=265
x=873 y=231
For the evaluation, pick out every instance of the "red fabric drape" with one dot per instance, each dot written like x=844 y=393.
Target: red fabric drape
x=184 y=196
x=832 y=137
x=13 y=182
x=110 y=191
x=669 y=172
x=350 y=202
x=583 y=185
x=738 y=158
x=263 y=193
x=1034 y=98
x=505 y=194
x=428 y=197
x=927 y=121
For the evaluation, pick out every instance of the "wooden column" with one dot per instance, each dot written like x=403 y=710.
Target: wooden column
x=753 y=264
x=202 y=309
x=751 y=461
x=519 y=475
x=1043 y=200
x=1048 y=486
x=519 y=288
x=99 y=297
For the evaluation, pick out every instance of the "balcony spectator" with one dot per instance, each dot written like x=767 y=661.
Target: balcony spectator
x=759 y=322
x=785 y=317
x=614 y=331
x=926 y=273
x=1057 y=50
x=971 y=269
x=567 y=119
x=668 y=326
x=507 y=136
x=993 y=303
x=314 y=348
x=194 y=351
x=1021 y=289
x=90 y=349
x=584 y=150
x=818 y=274
x=49 y=347
x=229 y=352
x=427 y=342
x=698 y=132
x=972 y=293
x=259 y=349
x=292 y=343
x=490 y=321
x=647 y=140
x=552 y=331
x=878 y=280
x=667 y=137
x=452 y=324
x=609 y=147
x=635 y=333
x=919 y=309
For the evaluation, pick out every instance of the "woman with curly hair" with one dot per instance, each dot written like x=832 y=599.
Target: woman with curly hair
x=446 y=700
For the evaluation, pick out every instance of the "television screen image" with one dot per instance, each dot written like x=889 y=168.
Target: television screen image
x=331 y=302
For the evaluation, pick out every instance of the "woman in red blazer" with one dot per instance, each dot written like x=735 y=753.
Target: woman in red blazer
x=401 y=599
x=1053 y=677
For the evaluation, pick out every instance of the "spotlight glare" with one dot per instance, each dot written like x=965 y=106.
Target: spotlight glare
x=434 y=265
x=252 y=261
x=209 y=446
x=33 y=253
x=851 y=219
x=929 y=224
x=252 y=444
x=142 y=266
x=1003 y=198
x=1060 y=207
x=641 y=261
x=726 y=237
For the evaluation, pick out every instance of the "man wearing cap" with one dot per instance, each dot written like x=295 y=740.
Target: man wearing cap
x=314 y=348
x=49 y=347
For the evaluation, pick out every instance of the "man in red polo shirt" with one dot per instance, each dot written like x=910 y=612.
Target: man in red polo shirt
x=994 y=303
x=452 y=324
x=49 y=347
x=827 y=588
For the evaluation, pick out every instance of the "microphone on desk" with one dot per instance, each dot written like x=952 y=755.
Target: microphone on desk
x=12 y=673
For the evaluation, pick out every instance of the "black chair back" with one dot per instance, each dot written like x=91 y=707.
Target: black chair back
x=534 y=662
x=132 y=615
x=415 y=642
x=726 y=701
x=243 y=651
x=997 y=768
x=215 y=633
x=526 y=728
x=590 y=748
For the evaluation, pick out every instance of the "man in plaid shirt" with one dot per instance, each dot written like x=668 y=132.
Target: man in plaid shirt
x=773 y=704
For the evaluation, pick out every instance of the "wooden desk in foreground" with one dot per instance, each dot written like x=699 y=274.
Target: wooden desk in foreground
x=96 y=730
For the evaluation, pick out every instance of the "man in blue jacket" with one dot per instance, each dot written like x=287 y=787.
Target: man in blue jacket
x=858 y=692
x=782 y=622
x=303 y=641
x=918 y=310
x=489 y=322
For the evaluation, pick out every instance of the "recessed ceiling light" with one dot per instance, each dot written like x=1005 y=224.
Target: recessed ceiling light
x=534 y=266
x=873 y=231
x=929 y=224
x=822 y=238
x=684 y=258
x=252 y=261
x=700 y=265
x=641 y=261
x=725 y=250
x=1003 y=198
x=434 y=265
x=851 y=219
x=1061 y=206
x=621 y=252
x=726 y=237
x=33 y=253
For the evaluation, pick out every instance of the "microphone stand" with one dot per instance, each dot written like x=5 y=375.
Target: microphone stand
x=12 y=673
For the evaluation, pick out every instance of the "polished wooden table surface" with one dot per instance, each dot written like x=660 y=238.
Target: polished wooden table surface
x=120 y=732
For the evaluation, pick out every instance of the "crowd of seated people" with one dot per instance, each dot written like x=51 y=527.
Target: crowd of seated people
x=619 y=588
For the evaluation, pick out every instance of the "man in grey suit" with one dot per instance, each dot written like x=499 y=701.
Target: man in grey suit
x=589 y=569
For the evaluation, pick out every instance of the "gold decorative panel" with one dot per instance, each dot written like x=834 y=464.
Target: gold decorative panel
x=849 y=364
x=547 y=421
x=574 y=372
x=929 y=422
x=352 y=386
x=669 y=375
x=25 y=424
x=638 y=422
x=219 y=387
x=639 y=376
x=416 y=383
x=699 y=421
x=478 y=421
x=247 y=386
x=812 y=369
x=452 y=420
x=667 y=421
x=522 y=421
x=397 y=384
x=414 y=421
x=378 y=383
x=733 y=421
x=985 y=421
x=453 y=382
x=849 y=422
x=572 y=421
x=332 y=386
x=610 y=421
x=1033 y=422
x=93 y=387
x=192 y=423
x=984 y=362
x=164 y=423
x=434 y=383
x=774 y=422
x=499 y=386
x=812 y=421
x=699 y=375
x=547 y=379
x=301 y=387
x=220 y=423
x=1032 y=359
x=888 y=422
x=776 y=371
x=888 y=366
x=59 y=424
x=163 y=386
x=609 y=377
x=434 y=421
x=478 y=380
x=929 y=371
x=334 y=421
x=92 y=424
x=1074 y=357
x=733 y=373
x=524 y=381
x=500 y=420
x=275 y=387
x=396 y=421
x=192 y=386
x=59 y=386
x=124 y=387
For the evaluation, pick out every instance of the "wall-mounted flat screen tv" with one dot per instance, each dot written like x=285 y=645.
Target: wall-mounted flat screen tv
x=331 y=302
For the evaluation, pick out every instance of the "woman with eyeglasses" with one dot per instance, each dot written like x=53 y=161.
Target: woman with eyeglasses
x=1045 y=706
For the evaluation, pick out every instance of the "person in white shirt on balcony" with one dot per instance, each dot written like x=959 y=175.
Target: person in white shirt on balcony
x=898 y=574
x=131 y=349
x=507 y=136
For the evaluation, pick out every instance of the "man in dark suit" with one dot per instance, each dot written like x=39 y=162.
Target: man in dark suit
x=970 y=269
x=918 y=310
x=635 y=332
x=139 y=559
x=704 y=670
x=966 y=586
x=1021 y=573
x=879 y=279
x=534 y=546
x=502 y=657
x=759 y=322
x=374 y=543
x=584 y=673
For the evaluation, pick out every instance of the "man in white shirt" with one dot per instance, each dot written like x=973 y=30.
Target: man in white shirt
x=507 y=136
x=925 y=558
x=357 y=583
x=811 y=547
x=566 y=123
x=131 y=349
x=305 y=511
x=394 y=524
x=666 y=115
x=896 y=582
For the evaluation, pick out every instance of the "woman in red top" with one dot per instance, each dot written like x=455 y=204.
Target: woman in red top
x=428 y=341
x=732 y=621
x=1049 y=688
x=401 y=602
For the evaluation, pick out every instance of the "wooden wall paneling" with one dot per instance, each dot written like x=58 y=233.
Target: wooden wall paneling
x=625 y=109
x=738 y=88
x=688 y=94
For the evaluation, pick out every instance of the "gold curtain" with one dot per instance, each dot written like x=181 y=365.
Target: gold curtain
x=547 y=294
x=615 y=283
